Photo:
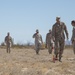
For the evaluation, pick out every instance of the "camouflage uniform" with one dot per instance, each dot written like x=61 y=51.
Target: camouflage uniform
x=73 y=39
x=8 y=41
x=38 y=42
x=59 y=37
x=49 y=42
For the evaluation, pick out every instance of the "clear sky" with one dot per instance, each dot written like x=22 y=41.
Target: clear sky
x=22 y=17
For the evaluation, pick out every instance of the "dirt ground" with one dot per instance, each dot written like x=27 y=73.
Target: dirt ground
x=26 y=62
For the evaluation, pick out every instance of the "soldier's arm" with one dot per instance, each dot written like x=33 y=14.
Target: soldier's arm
x=34 y=35
x=66 y=31
x=53 y=32
x=5 y=39
x=72 y=39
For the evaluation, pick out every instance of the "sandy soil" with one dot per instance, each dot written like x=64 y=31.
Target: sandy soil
x=26 y=62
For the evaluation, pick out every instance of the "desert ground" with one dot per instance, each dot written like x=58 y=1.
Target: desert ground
x=26 y=62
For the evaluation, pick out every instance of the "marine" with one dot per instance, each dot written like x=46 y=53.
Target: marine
x=73 y=35
x=38 y=41
x=8 y=41
x=49 y=42
x=58 y=30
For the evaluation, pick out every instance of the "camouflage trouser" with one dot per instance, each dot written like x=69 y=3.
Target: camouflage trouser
x=50 y=47
x=37 y=47
x=59 y=47
x=74 y=47
x=8 y=47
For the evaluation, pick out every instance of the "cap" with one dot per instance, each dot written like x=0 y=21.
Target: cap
x=58 y=17
x=8 y=33
x=73 y=21
x=37 y=30
x=49 y=29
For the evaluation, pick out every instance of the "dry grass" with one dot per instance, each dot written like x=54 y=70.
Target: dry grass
x=26 y=62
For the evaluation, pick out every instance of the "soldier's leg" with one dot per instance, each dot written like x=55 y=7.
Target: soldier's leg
x=61 y=44
x=39 y=47
x=7 y=48
x=56 y=48
x=50 y=48
x=36 y=48
x=74 y=47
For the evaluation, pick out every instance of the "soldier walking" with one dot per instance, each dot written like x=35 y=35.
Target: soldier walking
x=58 y=30
x=73 y=35
x=38 y=41
x=8 y=41
x=49 y=42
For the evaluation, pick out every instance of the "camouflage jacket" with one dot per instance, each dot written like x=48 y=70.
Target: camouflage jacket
x=58 y=30
x=48 y=38
x=38 y=38
x=8 y=39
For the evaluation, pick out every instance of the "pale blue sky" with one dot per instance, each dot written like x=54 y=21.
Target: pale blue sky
x=22 y=17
